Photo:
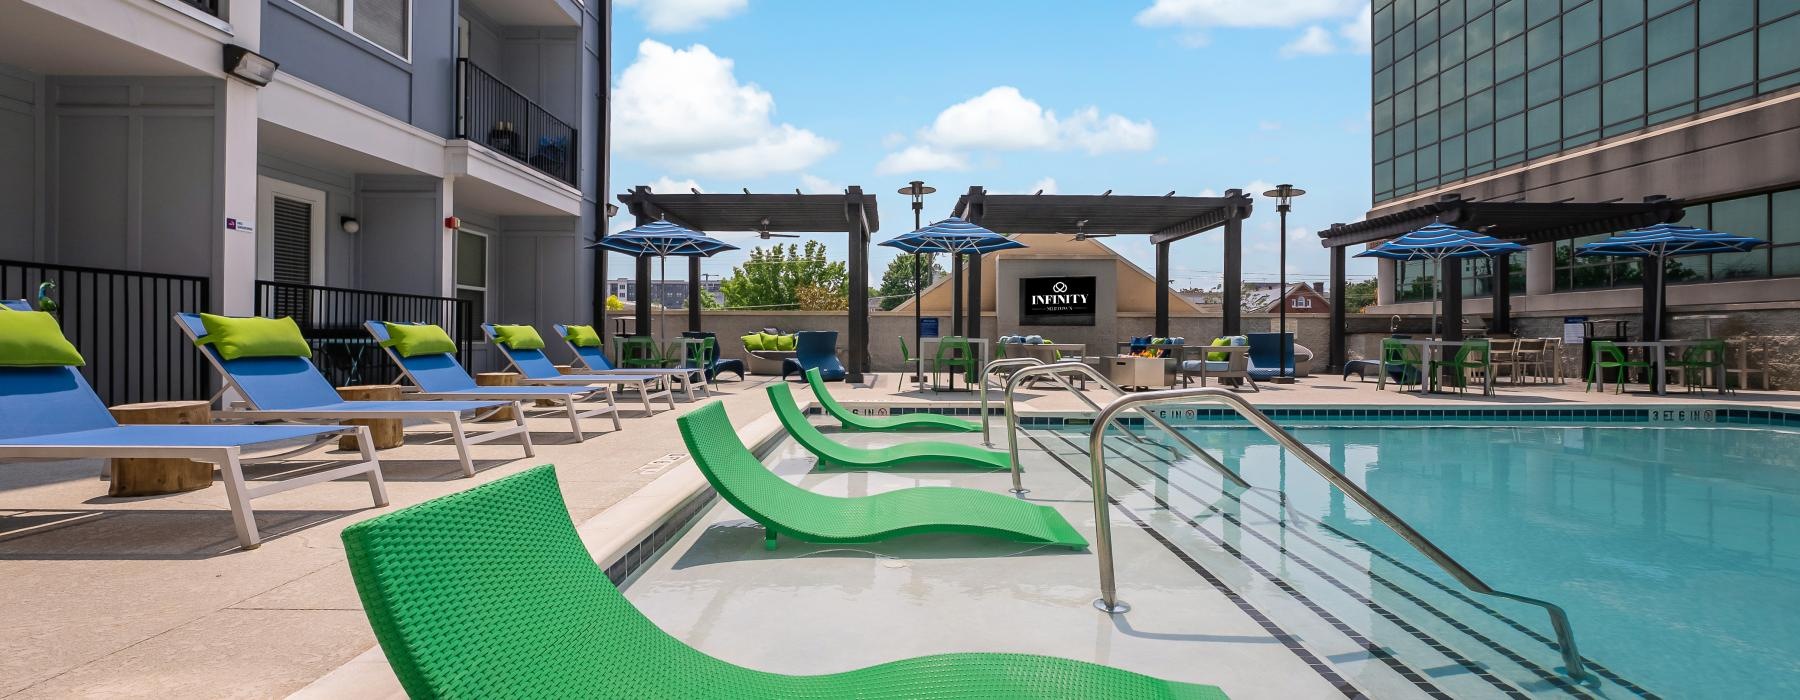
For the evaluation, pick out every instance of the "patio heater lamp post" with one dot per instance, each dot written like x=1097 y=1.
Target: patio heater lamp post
x=917 y=189
x=1284 y=196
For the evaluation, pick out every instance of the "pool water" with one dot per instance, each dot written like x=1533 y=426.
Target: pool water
x=1675 y=551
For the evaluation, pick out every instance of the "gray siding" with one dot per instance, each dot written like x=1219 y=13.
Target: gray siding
x=340 y=201
x=403 y=242
x=20 y=99
x=132 y=174
x=418 y=90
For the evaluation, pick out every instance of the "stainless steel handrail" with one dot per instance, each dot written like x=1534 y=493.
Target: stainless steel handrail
x=986 y=441
x=1055 y=370
x=1109 y=602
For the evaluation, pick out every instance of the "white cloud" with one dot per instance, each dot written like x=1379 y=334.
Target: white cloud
x=669 y=185
x=685 y=110
x=1244 y=13
x=1360 y=31
x=916 y=159
x=1315 y=41
x=893 y=140
x=683 y=15
x=814 y=184
x=1003 y=119
x=1047 y=185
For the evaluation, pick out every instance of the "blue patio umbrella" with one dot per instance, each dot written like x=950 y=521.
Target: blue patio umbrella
x=1439 y=242
x=1664 y=241
x=663 y=239
x=954 y=236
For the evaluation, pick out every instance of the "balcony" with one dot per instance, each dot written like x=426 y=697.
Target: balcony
x=505 y=121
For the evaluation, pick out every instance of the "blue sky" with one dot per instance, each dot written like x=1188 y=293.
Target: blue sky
x=1135 y=96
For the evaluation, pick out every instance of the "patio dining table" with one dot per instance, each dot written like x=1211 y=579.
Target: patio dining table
x=928 y=350
x=1658 y=351
x=1433 y=350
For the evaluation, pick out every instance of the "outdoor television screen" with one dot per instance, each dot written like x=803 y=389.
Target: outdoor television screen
x=1056 y=301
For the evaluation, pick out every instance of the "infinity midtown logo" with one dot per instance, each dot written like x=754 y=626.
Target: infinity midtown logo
x=1059 y=296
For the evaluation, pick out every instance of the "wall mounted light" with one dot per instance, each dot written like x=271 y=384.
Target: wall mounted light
x=350 y=224
x=249 y=66
x=612 y=210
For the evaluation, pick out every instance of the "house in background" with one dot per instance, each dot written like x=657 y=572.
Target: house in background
x=433 y=161
x=1301 y=298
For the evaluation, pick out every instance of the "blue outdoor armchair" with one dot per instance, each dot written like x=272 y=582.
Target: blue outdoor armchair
x=815 y=350
x=716 y=365
x=1265 y=352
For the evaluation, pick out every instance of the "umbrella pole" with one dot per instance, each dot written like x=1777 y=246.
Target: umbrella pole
x=662 y=320
x=918 y=339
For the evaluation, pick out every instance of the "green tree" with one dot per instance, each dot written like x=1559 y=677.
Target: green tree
x=613 y=303
x=897 y=281
x=1358 y=295
x=773 y=277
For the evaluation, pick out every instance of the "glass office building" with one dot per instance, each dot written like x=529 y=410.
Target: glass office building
x=1592 y=100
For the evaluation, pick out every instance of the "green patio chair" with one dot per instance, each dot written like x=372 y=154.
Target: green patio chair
x=1610 y=356
x=785 y=509
x=1697 y=360
x=1471 y=354
x=490 y=593
x=916 y=421
x=834 y=453
x=954 y=354
x=916 y=364
x=1401 y=362
x=641 y=351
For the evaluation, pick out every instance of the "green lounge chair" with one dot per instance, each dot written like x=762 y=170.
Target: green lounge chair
x=783 y=508
x=832 y=452
x=490 y=593
x=851 y=421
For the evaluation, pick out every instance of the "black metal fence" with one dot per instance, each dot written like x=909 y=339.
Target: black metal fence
x=123 y=324
x=332 y=319
x=493 y=114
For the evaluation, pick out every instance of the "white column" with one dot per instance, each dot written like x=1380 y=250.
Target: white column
x=1540 y=269
x=1384 y=281
x=234 y=267
x=447 y=261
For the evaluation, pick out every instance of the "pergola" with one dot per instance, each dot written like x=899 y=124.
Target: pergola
x=1518 y=221
x=851 y=213
x=1166 y=219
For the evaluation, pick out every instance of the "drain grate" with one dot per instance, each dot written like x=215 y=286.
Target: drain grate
x=661 y=464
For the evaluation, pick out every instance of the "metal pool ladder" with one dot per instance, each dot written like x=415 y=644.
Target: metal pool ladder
x=1109 y=601
x=1033 y=367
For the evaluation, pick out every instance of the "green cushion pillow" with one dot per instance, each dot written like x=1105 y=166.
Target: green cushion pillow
x=786 y=342
x=753 y=341
x=1219 y=356
x=33 y=339
x=769 y=341
x=519 y=337
x=581 y=336
x=413 y=340
x=253 y=336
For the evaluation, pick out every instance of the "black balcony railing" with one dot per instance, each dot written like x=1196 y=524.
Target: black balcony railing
x=123 y=323
x=210 y=7
x=332 y=319
x=491 y=113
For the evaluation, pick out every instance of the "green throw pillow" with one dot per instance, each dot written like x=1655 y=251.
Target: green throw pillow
x=786 y=342
x=519 y=337
x=1219 y=356
x=33 y=339
x=581 y=336
x=753 y=341
x=769 y=341
x=238 y=337
x=413 y=340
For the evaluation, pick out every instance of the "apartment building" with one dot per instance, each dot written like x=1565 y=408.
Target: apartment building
x=1590 y=103
x=330 y=160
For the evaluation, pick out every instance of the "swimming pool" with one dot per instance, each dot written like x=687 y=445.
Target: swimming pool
x=1676 y=551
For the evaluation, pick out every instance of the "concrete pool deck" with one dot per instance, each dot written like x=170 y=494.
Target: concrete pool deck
x=150 y=596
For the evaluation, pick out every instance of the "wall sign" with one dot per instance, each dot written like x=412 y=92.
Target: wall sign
x=1056 y=301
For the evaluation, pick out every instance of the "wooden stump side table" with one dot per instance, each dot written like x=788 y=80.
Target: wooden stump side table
x=153 y=477
x=498 y=379
x=387 y=433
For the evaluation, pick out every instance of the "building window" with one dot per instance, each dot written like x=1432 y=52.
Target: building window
x=1653 y=62
x=1302 y=303
x=1773 y=217
x=472 y=272
x=384 y=23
